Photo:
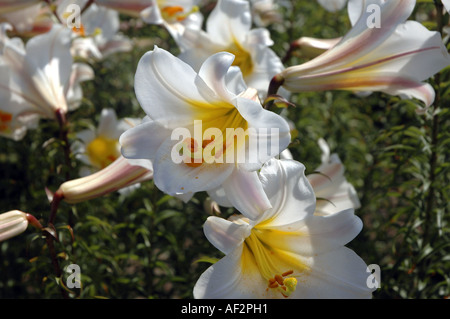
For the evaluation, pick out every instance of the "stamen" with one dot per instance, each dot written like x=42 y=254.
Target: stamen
x=79 y=31
x=176 y=12
x=286 y=286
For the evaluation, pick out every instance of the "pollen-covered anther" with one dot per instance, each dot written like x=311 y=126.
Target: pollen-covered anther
x=177 y=12
x=283 y=283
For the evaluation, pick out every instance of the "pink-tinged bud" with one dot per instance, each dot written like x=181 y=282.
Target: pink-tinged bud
x=119 y=174
x=13 y=223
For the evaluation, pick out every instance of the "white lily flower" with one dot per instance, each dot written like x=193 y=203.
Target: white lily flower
x=98 y=34
x=15 y=222
x=393 y=57
x=228 y=28
x=333 y=191
x=332 y=5
x=29 y=21
x=265 y=12
x=37 y=80
x=288 y=251
x=210 y=111
x=100 y=147
x=174 y=15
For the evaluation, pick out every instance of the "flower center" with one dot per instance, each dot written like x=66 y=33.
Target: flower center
x=219 y=135
x=176 y=13
x=79 y=31
x=283 y=283
x=271 y=262
x=5 y=120
x=242 y=58
x=102 y=151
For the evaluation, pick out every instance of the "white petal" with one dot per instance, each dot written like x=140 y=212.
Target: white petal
x=224 y=234
x=290 y=194
x=165 y=86
x=319 y=234
x=143 y=140
x=268 y=132
x=108 y=123
x=173 y=178
x=214 y=73
x=49 y=63
x=339 y=274
x=245 y=191
x=229 y=21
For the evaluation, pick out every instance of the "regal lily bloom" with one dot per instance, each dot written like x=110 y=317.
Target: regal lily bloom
x=29 y=21
x=228 y=28
x=120 y=174
x=392 y=56
x=333 y=192
x=174 y=15
x=287 y=252
x=37 y=80
x=97 y=36
x=202 y=129
x=265 y=12
x=99 y=147
x=15 y=222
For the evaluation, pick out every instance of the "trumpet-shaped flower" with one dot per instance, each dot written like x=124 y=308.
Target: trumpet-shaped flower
x=333 y=192
x=15 y=222
x=288 y=251
x=97 y=36
x=174 y=15
x=202 y=129
x=29 y=21
x=228 y=28
x=265 y=12
x=98 y=148
x=388 y=55
x=38 y=80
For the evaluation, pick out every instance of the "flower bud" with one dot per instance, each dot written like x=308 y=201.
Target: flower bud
x=119 y=174
x=15 y=222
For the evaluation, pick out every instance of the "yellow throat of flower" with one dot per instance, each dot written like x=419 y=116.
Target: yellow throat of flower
x=242 y=59
x=102 y=151
x=223 y=134
x=274 y=265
